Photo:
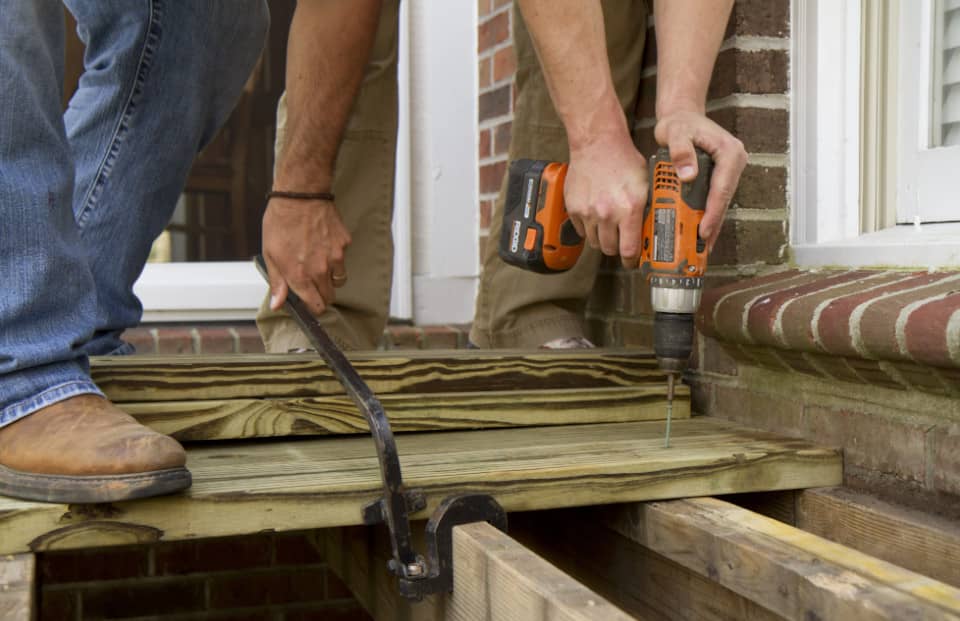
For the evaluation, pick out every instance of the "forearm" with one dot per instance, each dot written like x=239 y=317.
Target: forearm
x=328 y=48
x=569 y=38
x=689 y=34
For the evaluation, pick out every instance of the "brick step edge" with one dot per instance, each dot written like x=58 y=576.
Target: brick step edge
x=243 y=338
x=889 y=328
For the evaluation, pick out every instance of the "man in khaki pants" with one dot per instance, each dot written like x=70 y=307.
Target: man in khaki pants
x=337 y=137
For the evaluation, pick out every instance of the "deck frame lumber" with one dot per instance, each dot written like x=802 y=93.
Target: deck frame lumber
x=498 y=579
x=246 y=487
x=912 y=539
x=788 y=571
x=633 y=577
x=17 y=587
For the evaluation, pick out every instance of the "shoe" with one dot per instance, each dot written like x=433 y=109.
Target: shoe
x=568 y=342
x=86 y=450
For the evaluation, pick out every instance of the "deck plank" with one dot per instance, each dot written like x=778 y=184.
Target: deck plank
x=245 y=487
x=232 y=419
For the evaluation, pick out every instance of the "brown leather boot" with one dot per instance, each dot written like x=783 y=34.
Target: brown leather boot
x=84 y=449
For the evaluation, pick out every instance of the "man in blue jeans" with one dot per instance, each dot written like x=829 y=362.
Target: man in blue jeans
x=82 y=196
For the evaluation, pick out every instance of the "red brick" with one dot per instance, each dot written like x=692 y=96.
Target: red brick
x=147 y=597
x=491 y=176
x=483 y=7
x=763 y=314
x=740 y=71
x=761 y=187
x=945 y=459
x=768 y=18
x=712 y=296
x=796 y=320
x=632 y=332
x=92 y=565
x=494 y=103
x=501 y=139
x=926 y=331
x=761 y=130
x=404 y=337
x=205 y=555
x=744 y=241
x=273 y=587
x=485 y=72
x=142 y=340
x=833 y=327
x=493 y=31
x=175 y=341
x=485 y=147
x=248 y=340
x=871 y=442
x=501 y=3
x=214 y=340
x=296 y=549
x=504 y=64
x=440 y=337
x=486 y=210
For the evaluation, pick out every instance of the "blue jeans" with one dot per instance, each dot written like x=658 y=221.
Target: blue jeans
x=84 y=193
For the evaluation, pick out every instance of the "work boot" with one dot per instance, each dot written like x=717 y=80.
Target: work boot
x=84 y=450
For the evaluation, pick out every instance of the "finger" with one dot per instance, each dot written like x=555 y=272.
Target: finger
x=684 y=157
x=325 y=291
x=278 y=286
x=590 y=232
x=338 y=271
x=631 y=233
x=726 y=176
x=578 y=225
x=609 y=238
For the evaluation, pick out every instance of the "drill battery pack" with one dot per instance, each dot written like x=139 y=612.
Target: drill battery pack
x=537 y=233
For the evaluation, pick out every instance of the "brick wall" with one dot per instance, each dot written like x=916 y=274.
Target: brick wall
x=267 y=577
x=747 y=97
x=496 y=65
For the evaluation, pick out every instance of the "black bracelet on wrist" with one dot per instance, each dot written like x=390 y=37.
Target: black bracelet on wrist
x=301 y=196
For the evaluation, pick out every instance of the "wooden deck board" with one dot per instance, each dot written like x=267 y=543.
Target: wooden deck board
x=197 y=378
x=231 y=419
x=245 y=487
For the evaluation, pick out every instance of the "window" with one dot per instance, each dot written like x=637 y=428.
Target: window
x=874 y=106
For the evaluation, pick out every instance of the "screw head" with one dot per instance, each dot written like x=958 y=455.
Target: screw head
x=415 y=569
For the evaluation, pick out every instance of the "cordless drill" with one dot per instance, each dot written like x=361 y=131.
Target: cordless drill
x=537 y=235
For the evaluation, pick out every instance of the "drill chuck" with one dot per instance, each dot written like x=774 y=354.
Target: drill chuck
x=673 y=340
x=675 y=294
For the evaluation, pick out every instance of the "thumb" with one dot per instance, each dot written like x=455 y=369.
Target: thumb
x=684 y=158
x=278 y=293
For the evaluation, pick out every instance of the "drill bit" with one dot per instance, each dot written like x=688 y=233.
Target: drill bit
x=670 y=380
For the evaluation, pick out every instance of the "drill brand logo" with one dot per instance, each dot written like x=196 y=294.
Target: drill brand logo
x=528 y=198
x=515 y=238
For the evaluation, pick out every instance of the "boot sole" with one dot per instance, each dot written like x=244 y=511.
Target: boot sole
x=69 y=489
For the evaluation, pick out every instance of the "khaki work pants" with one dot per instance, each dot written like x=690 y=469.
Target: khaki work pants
x=515 y=308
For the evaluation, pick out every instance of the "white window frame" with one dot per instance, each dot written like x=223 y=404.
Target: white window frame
x=436 y=195
x=825 y=153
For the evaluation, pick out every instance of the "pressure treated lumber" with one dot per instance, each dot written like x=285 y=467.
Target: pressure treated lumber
x=258 y=418
x=198 y=378
x=788 y=571
x=17 y=601
x=927 y=544
x=497 y=579
x=243 y=487
x=634 y=578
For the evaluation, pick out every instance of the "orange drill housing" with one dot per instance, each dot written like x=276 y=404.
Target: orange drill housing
x=672 y=245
